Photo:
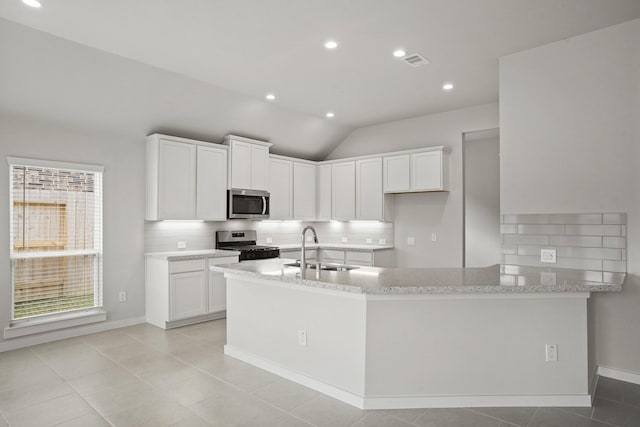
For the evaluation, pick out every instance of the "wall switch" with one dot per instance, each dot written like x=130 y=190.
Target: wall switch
x=269 y=240
x=369 y=241
x=411 y=241
x=382 y=241
x=548 y=255
x=343 y=239
x=434 y=237
x=122 y=296
x=302 y=337
x=182 y=245
x=551 y=352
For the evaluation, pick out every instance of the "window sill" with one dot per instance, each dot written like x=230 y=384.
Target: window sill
x=52 y=324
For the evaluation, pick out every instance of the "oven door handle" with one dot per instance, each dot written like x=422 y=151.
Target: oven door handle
x=264 y=205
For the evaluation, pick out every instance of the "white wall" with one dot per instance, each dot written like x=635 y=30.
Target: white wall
x=569 y=114
x=418 y=215
x=124 y=198
x=481 y=201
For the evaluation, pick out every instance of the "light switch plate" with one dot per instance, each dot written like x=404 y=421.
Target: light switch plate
x=548 y=256
x=382 y=241
x=369 y=241
x=182 y=245
x=411 y=241
x=269 y=240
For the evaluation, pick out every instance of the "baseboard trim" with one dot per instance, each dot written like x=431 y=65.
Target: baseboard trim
x=407 y=402
x=61 y=334
x=619 y=374
x=197 y=319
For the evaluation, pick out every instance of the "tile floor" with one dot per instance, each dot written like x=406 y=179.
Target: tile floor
x=144 y=376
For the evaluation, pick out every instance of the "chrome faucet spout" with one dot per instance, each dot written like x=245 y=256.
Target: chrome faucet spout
x=303 y=254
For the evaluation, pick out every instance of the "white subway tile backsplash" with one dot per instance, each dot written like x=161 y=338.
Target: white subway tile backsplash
x=614 y=242
x=613 y=218
x=581 y=241
x=540 y=229
x=509 y=229
x=615 y=266
x=595 y=253
x=522 y=239
x=526 y=219
x=576 y=219
x=593 y=230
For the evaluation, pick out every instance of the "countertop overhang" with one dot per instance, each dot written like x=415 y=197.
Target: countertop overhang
x=496 y=279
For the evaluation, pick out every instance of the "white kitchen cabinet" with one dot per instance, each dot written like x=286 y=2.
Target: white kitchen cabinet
x=323 y=193
x=415 y=171
x=280 y=189
x=180 y=292
x=397 y=173
x=211 y=184
x=369 y=194
x=343 y=191
x=248 y=163
x=186 y=179
x=364 y=259
x=304 y=191
x=377 y=258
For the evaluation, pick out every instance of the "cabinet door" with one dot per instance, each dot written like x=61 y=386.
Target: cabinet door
x=176 y=180
x=426 y=171
x=211 y=184
x=360 y=258
x=304 y=191
x=187 y=295
x=397 y=173
x=323 y=196
x=240 y=165
x=369 y=196
x=343 y=191
x=259 y=168
x=281 y=189
x=217 y=292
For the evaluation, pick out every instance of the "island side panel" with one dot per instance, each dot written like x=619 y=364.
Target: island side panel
x=265 y=316
x=477 y=346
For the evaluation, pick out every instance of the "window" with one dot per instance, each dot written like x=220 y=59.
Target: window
x=55 y=238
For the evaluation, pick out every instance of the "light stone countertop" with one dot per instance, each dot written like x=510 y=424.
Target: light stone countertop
x=337 y=246
x=189 y=255
x=497 y=279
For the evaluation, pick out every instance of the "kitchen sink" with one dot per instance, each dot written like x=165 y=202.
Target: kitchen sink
x=325 y=267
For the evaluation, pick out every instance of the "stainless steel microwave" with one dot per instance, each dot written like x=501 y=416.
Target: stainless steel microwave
x=248 y=204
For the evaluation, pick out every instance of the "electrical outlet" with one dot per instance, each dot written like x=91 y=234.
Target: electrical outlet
x=548 y=255
x=122 y=296
x=382 y=241
x=411 y=241
x=269 y=240
x=182 y=245
x=369 y=241
x=434 y=237
x=551 y=352
x=344 y=239
x=302 y=337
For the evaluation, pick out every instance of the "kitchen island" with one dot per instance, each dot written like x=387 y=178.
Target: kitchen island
x=400 y=338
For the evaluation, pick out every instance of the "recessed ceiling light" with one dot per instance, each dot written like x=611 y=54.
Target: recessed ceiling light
x=32 y=3
x=447 y=86
x=399 y=53
x=331 y=44
x=270 y=97
x=330 y=115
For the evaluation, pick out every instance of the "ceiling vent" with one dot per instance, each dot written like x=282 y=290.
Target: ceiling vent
x=416 y=60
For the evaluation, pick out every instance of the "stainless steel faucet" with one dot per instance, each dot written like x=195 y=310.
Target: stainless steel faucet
x=303 y=255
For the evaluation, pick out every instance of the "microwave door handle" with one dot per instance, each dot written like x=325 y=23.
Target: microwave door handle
x=264 y=205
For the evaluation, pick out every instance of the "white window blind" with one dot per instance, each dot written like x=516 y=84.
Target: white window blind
x=55 y=237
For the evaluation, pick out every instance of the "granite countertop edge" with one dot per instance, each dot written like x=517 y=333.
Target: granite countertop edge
x=192 y=255
x=336 y=246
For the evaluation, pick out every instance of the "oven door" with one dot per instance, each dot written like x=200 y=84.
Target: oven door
x=248 y=204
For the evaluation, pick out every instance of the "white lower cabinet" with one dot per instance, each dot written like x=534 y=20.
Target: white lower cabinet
x=182 y=292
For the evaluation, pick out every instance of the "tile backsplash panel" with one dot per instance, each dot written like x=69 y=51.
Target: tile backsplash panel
x=163 y=236
x=594 y=242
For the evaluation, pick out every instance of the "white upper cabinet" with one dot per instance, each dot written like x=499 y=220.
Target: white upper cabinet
x=343 y=191
x=304 y=191
x=211 y=184
x=369 y=194
x=323 y=193
x=186 y=179
x=248 y=163
x=280 y=189
x=417 y=171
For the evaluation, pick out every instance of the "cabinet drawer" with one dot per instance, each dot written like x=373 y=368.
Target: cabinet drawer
x=185 y=266
x=223 y=260
x=360 y=258
x=329 y=255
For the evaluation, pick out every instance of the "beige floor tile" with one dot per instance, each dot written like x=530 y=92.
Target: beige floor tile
x=203 y=333
x=285 y=394
x=380 y=419
x=108 y=339
x=228 y=409
x=49 y=413
x=113 y=400
x=457 y=418
x=166 y=340
x=82 y=360
x=196 y=389
x=88 y=420
x=57 y=345
x=34 y=393
x=195 y=352
x=162 y=376
x=248 y=378
x=108 y=378
x=270 y=417
x=515 y=415
x=25 y=375
x=191 y=421
x=409 y=415
x=16 y=359
x=325 y=411
x=150 y=415
x=147 y=362
x=130 y=348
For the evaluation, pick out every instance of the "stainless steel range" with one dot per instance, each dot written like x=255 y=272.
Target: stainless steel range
x=244 y=241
